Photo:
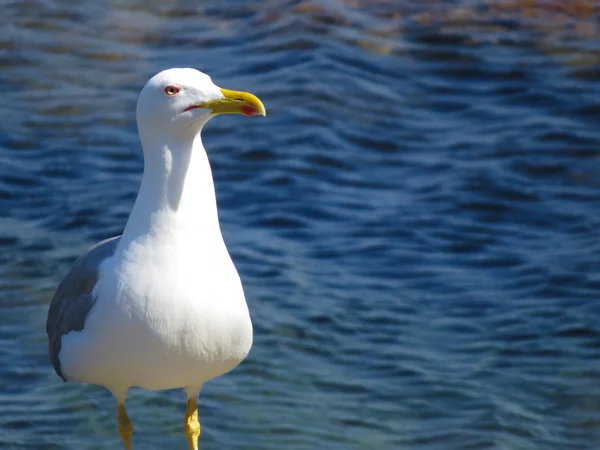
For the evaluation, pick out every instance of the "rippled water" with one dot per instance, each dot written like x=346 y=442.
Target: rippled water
x=416 y=222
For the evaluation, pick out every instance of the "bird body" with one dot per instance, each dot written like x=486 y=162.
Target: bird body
x=161 y=306
x=158 y=294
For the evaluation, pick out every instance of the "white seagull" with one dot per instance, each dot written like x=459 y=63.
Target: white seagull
x=161 y=306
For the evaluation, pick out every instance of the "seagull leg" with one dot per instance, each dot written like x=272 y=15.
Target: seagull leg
x=125 y=426
x=192 y=426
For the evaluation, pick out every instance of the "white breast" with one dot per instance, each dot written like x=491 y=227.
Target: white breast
x=165 y=317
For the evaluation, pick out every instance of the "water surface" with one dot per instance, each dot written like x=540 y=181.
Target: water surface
x=415 y=222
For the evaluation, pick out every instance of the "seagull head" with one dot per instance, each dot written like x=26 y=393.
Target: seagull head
x=183 y=100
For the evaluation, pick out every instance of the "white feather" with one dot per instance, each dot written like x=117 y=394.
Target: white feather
x=170 y=309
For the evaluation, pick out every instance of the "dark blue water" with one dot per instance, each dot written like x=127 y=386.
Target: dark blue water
x=416 y=222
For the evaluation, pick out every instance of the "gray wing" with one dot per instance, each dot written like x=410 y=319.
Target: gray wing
x=73 y=300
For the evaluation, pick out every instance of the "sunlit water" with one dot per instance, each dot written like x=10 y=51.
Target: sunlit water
x=416 y=221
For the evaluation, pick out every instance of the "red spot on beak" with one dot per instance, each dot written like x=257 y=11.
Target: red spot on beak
x=248 y=110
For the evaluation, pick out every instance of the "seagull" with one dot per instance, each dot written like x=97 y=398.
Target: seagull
x=161 y=306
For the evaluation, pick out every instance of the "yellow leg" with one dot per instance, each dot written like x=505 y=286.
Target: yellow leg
x=192 y=426
x=125 y=427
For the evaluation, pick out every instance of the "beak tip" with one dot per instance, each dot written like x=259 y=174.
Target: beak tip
x=251 y=110
x=241 y=102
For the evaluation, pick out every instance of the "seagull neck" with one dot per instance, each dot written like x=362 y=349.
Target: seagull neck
x=177 y=192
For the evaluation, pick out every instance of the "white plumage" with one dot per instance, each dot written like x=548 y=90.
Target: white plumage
x=166 y=308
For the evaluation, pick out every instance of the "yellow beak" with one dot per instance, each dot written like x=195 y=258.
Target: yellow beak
x=235 y=102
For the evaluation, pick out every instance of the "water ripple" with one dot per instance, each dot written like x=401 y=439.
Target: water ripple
x=414 y=222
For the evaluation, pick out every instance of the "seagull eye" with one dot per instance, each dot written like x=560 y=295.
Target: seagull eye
x=171 y=90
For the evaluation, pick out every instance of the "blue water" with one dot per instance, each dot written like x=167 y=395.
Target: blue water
x=416 y=221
